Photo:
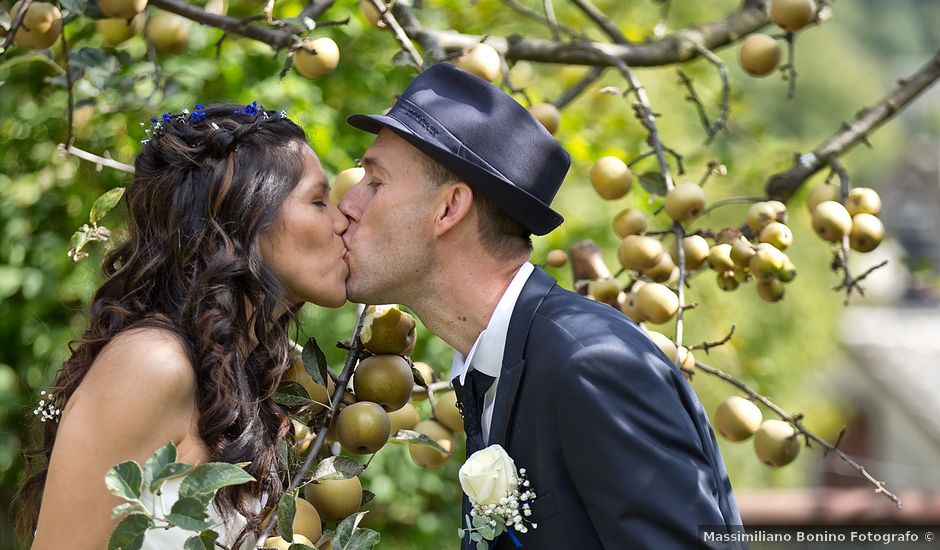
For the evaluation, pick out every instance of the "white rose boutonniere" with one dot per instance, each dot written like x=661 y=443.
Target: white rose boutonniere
x=499 y=495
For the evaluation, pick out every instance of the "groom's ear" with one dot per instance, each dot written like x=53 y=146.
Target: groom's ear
x=455 y=202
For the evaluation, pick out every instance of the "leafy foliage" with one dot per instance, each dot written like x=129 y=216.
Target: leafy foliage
x=44 y=296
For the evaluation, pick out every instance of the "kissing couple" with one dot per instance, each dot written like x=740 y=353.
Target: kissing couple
x=231 y=230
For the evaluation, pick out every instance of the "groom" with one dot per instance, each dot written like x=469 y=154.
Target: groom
x=614 y=442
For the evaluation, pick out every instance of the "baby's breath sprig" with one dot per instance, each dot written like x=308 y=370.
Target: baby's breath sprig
x=48 y=408
x=486 y=522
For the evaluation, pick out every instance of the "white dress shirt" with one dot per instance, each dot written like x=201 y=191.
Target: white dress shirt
x=486 y=355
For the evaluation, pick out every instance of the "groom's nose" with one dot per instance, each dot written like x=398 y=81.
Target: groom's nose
x=349 y=204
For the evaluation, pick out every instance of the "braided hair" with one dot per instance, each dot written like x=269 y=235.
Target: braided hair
x=207 y=185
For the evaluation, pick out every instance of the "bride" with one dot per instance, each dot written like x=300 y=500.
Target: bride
x=230 y=231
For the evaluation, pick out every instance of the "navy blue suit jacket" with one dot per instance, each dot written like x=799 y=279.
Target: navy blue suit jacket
x=615 y=443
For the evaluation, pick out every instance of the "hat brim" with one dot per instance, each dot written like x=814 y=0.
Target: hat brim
x=518 y=203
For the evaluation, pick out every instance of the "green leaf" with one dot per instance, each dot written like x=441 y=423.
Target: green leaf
x=460 y=533
x=129 y=534
x=367 y=497
x=475 y=536
x=414 y=438
x=419 y=378
x=158 y=460
x=132 y=507
x=487 y=531
x=482 y=545
x=286 y=509
x=291 y=394
x=326 y=536
x=190 y=513
x=403 y=59
x=337 y=467
x=283 y=453
x=125 y=480
x=315 y=362
x=204 y=480
x=203 y=541
x=167 y=472
x=74 y=6
x=349 y=536
x=105 y=203
x=654 y=183
x=77 y=243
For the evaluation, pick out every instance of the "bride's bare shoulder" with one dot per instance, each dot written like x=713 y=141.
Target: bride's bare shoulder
x=151 y=364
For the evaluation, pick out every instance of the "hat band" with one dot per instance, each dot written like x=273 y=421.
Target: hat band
x=421 y=123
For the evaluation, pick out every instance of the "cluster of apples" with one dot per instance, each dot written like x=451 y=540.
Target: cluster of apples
x=168 y=33
x=760 y=53
x=856 y=218
x=737 y=260
x=377 y=405
x=776 y=442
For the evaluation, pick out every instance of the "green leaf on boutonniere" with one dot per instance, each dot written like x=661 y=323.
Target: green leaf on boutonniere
x=482 y=545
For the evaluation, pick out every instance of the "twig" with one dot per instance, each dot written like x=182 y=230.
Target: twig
x=70 y=113
x=713 y=168
x=705 y=346
x=278 y=39
x=15 y=25
x=731 y=200
x=646 y=115
x=784 y=185
x=579 y=87
x=552 y=20
x=660 y=27
x=796 y=422
x=712 y=128
x=789 y=69
x=507 y=81
x=351 y=359
x=841 y=258
x=672 y=48
x=601 y=21
x=400 y=35
x=533 y=14
x=100 y=161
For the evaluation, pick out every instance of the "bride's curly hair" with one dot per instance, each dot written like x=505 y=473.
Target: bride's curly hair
x=206 y=186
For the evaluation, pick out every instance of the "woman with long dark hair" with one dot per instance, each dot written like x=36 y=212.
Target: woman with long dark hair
x=230 y=231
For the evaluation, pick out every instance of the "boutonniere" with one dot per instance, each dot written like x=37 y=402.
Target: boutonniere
x=499 y=495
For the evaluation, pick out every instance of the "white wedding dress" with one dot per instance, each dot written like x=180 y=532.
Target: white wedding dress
x=175 y=537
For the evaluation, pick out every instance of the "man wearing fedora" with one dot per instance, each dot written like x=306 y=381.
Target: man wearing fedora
x=614 y=442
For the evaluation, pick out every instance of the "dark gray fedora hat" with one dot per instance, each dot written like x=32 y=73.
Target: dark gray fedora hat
x=484 y=137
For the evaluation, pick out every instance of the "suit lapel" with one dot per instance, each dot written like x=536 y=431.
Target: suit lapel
x=534 y=291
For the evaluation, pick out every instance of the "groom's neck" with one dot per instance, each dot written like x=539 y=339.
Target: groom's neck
x=461 y=297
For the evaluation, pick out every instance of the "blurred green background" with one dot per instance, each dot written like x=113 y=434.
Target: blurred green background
x=780 y=349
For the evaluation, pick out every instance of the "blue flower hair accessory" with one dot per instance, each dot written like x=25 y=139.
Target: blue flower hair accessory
x=198 y=114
